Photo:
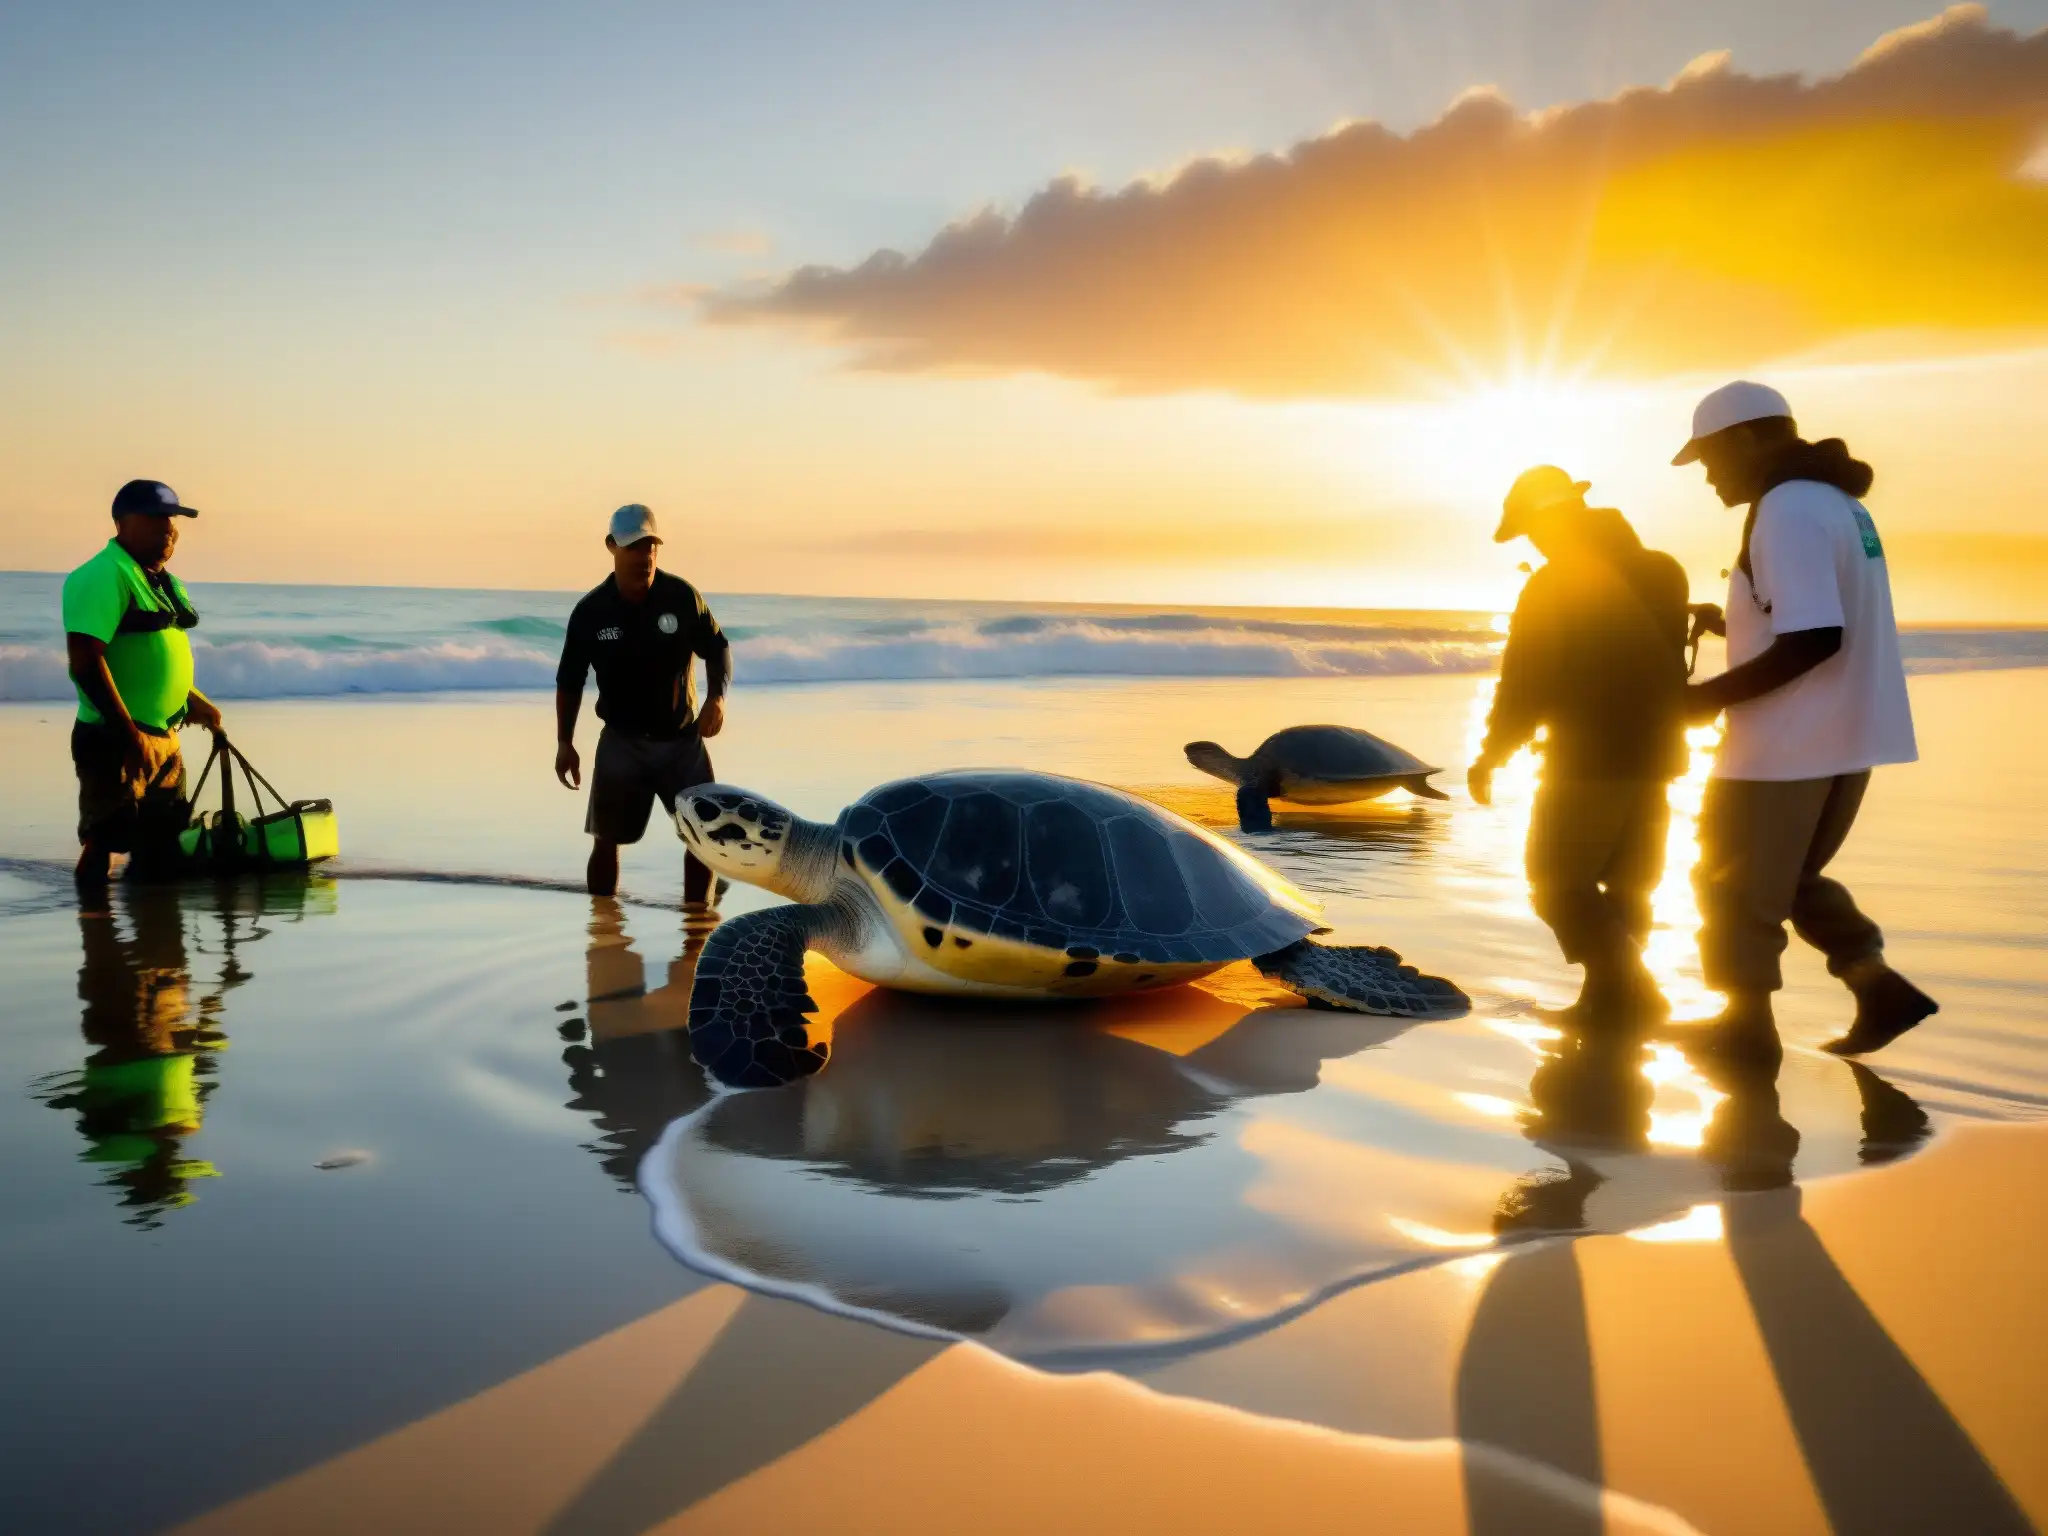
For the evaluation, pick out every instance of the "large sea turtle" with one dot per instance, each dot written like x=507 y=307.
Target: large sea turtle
x=995 y=884
x=1313 y=765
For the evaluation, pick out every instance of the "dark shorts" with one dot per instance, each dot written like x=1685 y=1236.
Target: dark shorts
x=128 y=815
x=631 y=772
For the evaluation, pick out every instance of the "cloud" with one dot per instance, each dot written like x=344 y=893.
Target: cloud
x=1715 y=222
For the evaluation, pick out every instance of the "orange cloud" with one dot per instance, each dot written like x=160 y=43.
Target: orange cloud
x=1720 y=220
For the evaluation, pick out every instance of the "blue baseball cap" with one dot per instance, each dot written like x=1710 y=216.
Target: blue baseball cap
x=151 y=497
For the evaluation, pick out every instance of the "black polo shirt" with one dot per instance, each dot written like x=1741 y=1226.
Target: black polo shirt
x=642 y=653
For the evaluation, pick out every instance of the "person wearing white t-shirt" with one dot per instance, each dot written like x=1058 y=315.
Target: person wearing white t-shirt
x=1815 y=694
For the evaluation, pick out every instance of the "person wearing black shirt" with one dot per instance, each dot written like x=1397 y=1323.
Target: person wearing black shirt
x=1596 y=657
x=641 y=631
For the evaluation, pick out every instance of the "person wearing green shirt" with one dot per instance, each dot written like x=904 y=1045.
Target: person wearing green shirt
x=125 y=618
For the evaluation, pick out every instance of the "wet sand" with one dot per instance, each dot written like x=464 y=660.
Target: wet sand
x=1322 y=1257
x=1804 y=1364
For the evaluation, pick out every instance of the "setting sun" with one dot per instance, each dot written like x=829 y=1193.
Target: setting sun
x=1477 y=443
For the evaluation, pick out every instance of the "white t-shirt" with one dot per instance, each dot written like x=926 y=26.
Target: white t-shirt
x=1818 y=564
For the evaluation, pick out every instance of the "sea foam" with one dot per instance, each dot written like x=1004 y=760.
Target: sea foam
x=282 y=642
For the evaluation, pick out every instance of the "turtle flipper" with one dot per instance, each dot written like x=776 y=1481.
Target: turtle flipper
x=1253 y=813
x=1420 y=785
x=1363 y=978
x=749 y=1008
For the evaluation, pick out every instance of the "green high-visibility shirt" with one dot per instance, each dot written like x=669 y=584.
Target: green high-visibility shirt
x=142 y=622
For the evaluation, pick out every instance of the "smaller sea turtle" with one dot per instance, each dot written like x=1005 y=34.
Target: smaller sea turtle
x=996 y=884
x=1314 y=765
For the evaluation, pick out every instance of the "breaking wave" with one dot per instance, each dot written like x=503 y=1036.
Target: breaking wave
x=254 y=669
x=308 y=642
x=247 y=669
x=1164 y=645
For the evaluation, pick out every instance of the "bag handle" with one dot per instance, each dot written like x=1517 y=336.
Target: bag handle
x=230 y=757
x=255 y=778
x=211 y=758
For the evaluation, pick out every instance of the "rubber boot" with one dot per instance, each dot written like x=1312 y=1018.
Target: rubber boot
x=1744 y=1034
x=1619 y=993
x=1887 y=1005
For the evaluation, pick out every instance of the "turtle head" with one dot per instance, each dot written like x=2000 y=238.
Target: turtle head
x=748 y=837
x=1213 y=760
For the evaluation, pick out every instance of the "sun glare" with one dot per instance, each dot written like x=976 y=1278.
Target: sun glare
x=1464 y=449
x=1491 y=435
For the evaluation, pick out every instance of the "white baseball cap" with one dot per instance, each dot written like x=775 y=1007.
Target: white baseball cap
x=632 y=523
x=1728 y=406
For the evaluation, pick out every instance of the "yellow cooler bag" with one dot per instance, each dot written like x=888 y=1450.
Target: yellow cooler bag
x=296 y=834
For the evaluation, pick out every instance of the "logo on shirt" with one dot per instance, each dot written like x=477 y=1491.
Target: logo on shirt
x=666 y=624
x=1872 y=548
x=611 y=633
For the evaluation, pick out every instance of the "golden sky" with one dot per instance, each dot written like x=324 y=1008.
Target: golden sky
x=423 y=353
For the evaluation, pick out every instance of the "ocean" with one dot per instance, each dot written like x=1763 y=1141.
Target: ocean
x=261 y=641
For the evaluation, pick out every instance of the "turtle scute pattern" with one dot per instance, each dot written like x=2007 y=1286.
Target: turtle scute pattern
x=749 y=1009
x=1060 y=864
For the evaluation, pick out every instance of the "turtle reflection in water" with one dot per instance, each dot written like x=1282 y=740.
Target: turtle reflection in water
x=997 y=884
x=962 y=1166
x=1314 y=765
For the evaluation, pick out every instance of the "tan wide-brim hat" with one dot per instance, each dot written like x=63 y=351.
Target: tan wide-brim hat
x=1535 y=492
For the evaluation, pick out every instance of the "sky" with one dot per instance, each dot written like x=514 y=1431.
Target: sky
x=1157 y=301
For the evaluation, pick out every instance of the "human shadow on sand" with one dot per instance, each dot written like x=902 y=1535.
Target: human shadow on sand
x=777 y=1376
x=1883 y=1451
x=932 y=1105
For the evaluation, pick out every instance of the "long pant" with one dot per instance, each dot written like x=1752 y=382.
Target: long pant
x=1763 y=847
x=1596 y=852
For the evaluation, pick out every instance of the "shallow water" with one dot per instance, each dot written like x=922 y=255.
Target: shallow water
x=485 y=1070
x=1095 y=1190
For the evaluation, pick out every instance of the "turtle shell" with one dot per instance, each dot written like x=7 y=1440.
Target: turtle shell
x=1068 y=866
x=1336 y=753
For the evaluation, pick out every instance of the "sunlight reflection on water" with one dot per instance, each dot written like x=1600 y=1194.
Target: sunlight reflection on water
x=1488 y=873
x=1489 y=863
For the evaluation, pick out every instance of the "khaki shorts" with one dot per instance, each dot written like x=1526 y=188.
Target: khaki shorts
x=128 y=815
x=632 y=772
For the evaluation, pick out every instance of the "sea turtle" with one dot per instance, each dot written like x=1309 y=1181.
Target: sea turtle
x=1313 y=765
x=1001 y=884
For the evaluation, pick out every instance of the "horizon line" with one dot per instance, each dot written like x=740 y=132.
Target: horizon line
x=2012 y=625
